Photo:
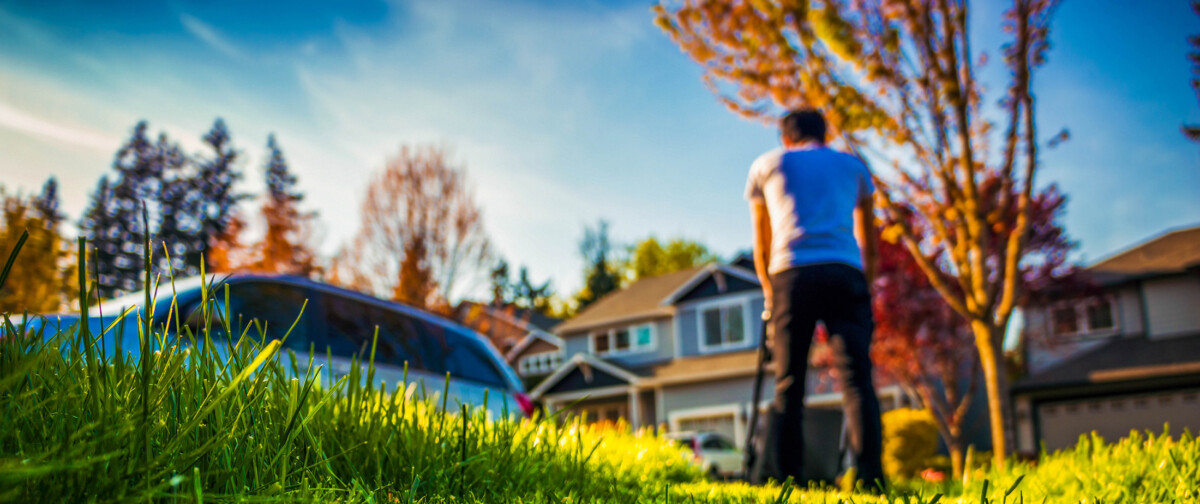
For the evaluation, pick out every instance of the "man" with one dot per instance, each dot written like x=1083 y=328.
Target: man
x=812 y=209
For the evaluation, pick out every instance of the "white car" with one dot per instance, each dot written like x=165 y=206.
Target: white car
x=338 y=326
x=716 y=454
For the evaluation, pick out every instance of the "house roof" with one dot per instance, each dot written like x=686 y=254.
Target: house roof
x=529 y=339
x=1171 y=252
x=643 y=299
x=648 y=297
x=1122 y=359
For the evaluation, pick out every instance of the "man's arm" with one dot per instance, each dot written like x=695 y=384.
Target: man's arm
x=867 y=236
x=762 y=246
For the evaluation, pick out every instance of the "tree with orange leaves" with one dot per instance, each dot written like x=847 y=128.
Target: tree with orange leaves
x=421 y=234
x=285 y=246
x=898 y=82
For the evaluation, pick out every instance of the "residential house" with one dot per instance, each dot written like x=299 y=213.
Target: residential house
x=1126 y=356
x=677 y=350
x=525 y=337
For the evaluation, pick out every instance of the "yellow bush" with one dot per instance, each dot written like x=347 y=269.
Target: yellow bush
x=910 y=439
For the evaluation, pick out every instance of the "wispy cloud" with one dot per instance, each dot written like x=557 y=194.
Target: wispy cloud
x=210 y=36
x=33 y=125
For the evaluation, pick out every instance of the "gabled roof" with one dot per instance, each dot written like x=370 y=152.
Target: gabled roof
x=529 y=339
x=1121 y=359
x=643 y=299
x=1172 y=252
x=647 y=298
x=582 y=360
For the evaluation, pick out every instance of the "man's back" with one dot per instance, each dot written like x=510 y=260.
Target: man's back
x=811 y=194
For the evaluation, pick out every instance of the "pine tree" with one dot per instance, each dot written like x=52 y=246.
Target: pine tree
x=47 y=204
x=600 y=278
x=177 y=207
x=217 y=200
x=96 y=227
x=114 y=223
x=284 y=247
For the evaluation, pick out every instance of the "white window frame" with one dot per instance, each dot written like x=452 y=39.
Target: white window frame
x=1083 y=327
x=634 y=348
x=539 y=363
x=702 y=330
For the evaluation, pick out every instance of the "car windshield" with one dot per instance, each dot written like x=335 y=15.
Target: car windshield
x=120 y=303
x=686 y=442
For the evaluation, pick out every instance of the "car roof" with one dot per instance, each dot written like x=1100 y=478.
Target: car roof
x=191 y=284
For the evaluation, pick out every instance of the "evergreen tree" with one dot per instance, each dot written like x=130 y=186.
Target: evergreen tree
x=502 y=287
x=284 y=247
x=178 y=222
x=217 y=201
x=46 y=204
x=96 y=227
x=529 y=295
x=114 y=223
x=600 y=277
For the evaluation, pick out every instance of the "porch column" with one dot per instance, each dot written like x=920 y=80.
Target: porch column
x=634 y=413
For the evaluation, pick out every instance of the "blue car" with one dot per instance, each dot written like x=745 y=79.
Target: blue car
x=337 y=323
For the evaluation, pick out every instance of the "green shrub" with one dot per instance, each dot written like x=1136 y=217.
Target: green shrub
x=910 y=440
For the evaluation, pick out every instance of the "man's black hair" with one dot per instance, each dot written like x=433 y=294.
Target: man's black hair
x=803 y=125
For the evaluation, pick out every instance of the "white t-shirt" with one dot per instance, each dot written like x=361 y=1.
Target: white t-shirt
x=810 y=193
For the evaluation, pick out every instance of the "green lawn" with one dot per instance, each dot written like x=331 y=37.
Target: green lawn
x=187 y=425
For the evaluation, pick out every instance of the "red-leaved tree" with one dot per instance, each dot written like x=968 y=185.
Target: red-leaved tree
x=927 y=347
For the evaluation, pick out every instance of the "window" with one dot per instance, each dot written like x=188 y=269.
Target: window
x=642 y=336
x=1092 y=317
x=717 y=443
x=723 y=326
x=541 y=363
x=600 y=343
x=256 y=308
x=622 y=340
x=1066 y=321
x=1100 y=316
x=622 y=337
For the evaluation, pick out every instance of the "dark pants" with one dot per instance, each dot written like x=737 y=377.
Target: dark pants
x=837 y=295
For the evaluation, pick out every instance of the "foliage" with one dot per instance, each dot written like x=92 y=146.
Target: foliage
x=189 y=198
x=897 y=80
x=42 y=279
x=113 y=223
x=650 y=258
x=216 y=201
x=600 y=274
x=522 y=293
x=422 y=232
x=910 y=439
x=285 y=246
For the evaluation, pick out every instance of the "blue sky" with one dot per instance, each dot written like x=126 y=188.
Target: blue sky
x=564 y=112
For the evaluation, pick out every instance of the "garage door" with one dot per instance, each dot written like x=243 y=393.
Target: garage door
x=722 y=424
x=1113 y=417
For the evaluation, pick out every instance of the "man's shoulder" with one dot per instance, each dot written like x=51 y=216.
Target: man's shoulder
x=769 y=159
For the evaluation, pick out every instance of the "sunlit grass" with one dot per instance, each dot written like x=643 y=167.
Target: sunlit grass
x=208 y=419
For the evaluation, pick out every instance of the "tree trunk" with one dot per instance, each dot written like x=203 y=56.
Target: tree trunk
x=990 y=357
x=957 y=454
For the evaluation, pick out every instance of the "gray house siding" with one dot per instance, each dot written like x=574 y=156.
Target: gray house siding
x=575 y=344
x=689 y=340
x=711 y=393
x=663 y=350
x=687 y=322
x=1173 y=305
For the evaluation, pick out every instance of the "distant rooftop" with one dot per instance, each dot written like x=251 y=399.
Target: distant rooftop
x=1172 y=252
